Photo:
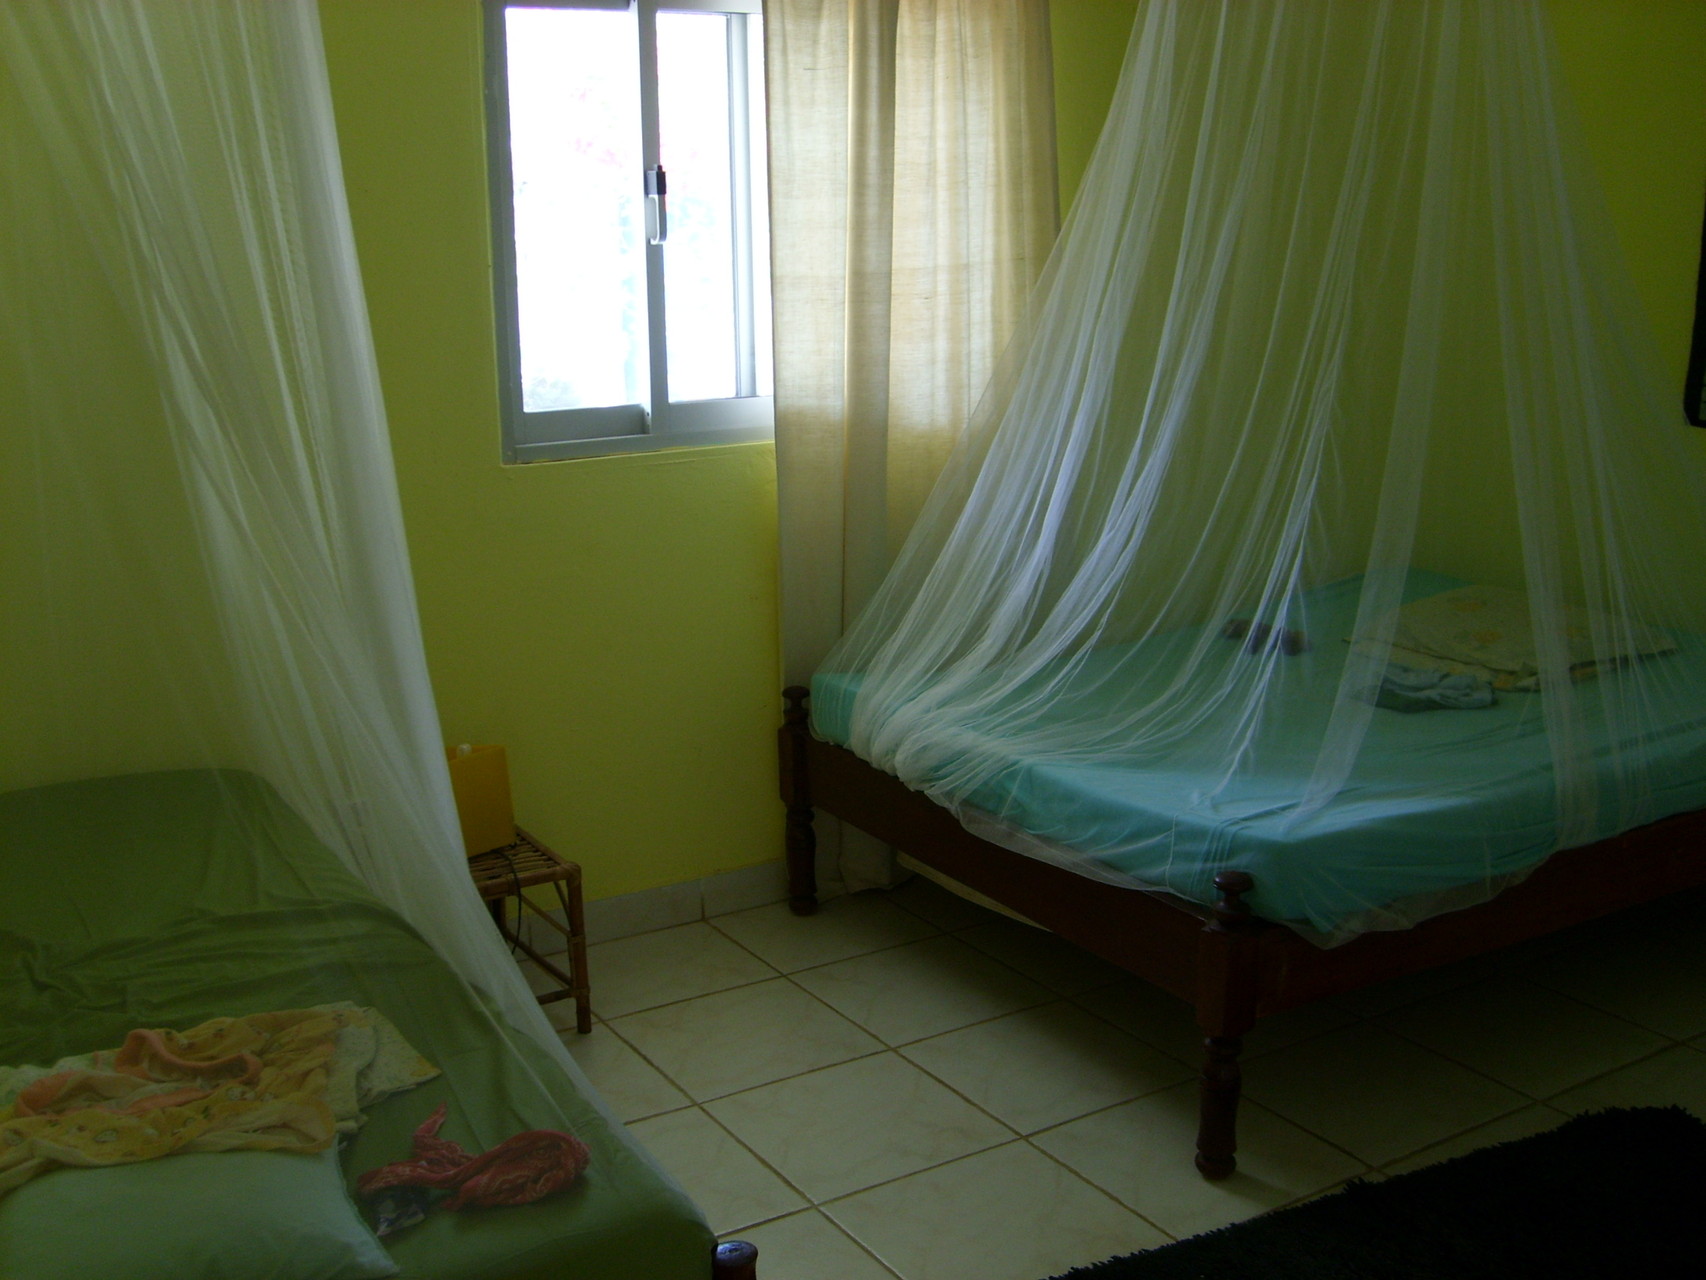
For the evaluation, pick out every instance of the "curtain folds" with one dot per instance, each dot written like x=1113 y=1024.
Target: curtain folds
x=913 y=203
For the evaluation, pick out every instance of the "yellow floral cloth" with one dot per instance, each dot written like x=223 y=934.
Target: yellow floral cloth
x=289 y=1080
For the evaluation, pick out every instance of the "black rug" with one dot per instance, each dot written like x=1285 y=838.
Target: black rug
x=1614 y=1194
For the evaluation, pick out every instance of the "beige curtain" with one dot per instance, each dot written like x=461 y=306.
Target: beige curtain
x=913 y=202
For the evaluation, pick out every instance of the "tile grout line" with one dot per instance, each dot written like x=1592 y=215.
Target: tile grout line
x=1695 y=1042
x=817 y=1210
x=1386 y=1166
x=896 y=1048
x=1098 y=1187
x=1518 y=1090
x=699 y=1104
x=1609 y=1013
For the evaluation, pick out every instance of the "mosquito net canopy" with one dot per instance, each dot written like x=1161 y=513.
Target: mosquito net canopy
x=223 y=793
x=215 y=577
x=1326 y=520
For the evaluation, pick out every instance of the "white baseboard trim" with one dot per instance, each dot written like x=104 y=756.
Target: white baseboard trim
x=670 y=905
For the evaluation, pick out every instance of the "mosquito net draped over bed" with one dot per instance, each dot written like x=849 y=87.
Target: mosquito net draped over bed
x=241 y=955
x=1327 y=518
x=217 y=577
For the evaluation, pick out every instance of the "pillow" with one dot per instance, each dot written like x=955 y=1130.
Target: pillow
x=229 y=1215
x=1486 y=631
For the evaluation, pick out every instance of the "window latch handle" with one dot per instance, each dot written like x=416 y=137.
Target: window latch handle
x=657 y=212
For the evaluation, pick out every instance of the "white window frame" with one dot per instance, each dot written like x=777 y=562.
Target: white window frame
x=660 y=423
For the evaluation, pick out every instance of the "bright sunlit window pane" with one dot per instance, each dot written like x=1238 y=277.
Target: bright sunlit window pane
x=694 y=145
x=764 y=363
x=574 y=109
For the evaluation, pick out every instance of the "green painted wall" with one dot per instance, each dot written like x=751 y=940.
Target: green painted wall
x=1090 y=38
x=1634 y=67
x=612 y=621
x=1633 y=70
x=104 y=661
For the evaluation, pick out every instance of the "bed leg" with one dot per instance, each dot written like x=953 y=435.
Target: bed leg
x=797 y=794
x=735 y=1260
x=1226 y=1009
x=1221 y=1082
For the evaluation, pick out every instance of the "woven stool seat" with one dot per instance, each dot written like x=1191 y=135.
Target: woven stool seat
x=505 y=873
x=497 y=872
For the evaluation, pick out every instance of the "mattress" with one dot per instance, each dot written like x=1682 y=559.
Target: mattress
x=1437 y=803
x=166 y=899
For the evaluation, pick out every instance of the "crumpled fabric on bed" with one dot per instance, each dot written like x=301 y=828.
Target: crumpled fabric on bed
x=1411 y=689
x=519 y=1170
x=287 y=1080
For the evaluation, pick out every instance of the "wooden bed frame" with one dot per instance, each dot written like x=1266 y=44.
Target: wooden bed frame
x=1232 y=966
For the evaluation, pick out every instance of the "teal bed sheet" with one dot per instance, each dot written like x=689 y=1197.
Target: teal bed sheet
x=165 y=899
x=1437 y=800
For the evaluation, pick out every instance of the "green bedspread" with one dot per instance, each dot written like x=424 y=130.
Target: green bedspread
x=167 y=899
x=1435 y=802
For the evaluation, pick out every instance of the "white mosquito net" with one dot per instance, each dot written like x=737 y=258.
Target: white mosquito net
x=222 y=787
x=1333 y=408
x=236 y=910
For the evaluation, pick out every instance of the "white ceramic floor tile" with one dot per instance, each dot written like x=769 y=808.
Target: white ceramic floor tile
x=1143 y=1153
x=1373 y=1093
x=923 y=1185
x=857 y=1124
x=921 y=989
x=1007 y=1214
x=726 y=1181
x=1525 y=1036
x=808 y=1246
x=1043 y=1066
x=1293 y=1027
x=1384 y=997
x=1169 y=1024
x=538 y=981
x=629 y=1085
x=561 y=1015
x=672 y=964
x=1162 y=1021
x=1519 y=1124
x=1676 y=1077
x=541 y=936
x=947 y=911
x=736 y=1039
x=851 y=925
x=1043 y=956
x=1656 y=979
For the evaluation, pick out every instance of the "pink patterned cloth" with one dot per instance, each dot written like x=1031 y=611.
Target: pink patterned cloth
x=518 y=1170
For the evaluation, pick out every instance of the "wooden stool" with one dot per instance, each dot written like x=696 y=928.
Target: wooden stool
x=504 y=873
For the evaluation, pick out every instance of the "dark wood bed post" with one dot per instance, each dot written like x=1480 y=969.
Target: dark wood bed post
x=1226 y=1009
x=735 y=1260
x=797 y=794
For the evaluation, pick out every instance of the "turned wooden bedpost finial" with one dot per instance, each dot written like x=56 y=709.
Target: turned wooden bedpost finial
x=1226 y=1009
x=1232 y=911
x=801 y=839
